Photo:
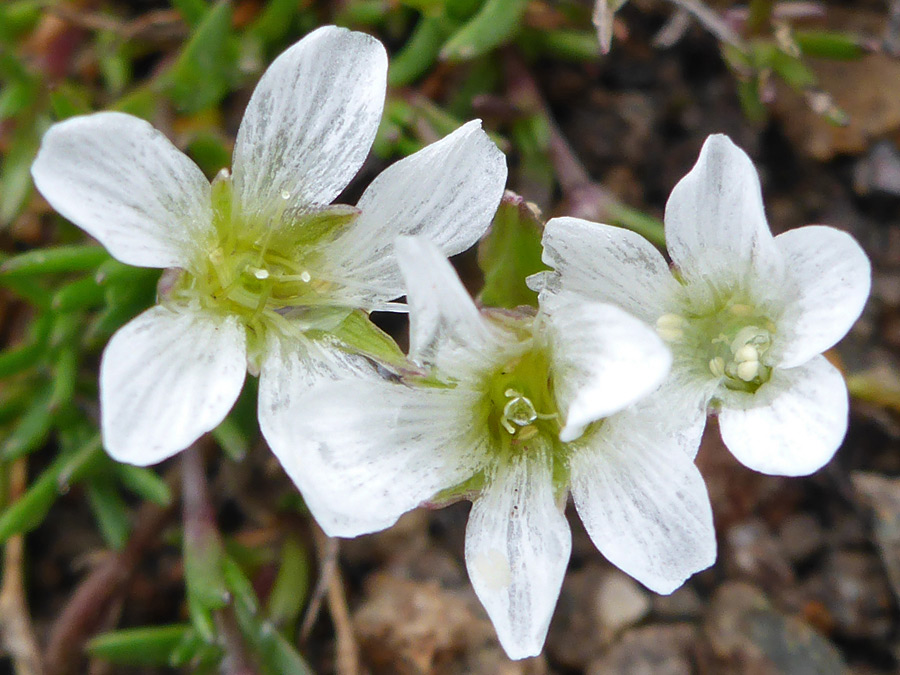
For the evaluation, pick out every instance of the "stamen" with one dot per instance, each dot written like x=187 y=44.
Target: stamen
x=717 y=366
x=670 y=327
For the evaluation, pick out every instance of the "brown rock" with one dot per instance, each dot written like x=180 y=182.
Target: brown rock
x=651 y=650
x=747 y=636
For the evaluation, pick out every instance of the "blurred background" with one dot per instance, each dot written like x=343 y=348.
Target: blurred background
x=600 y=111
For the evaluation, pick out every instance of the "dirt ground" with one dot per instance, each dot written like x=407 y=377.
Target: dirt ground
x=807 y=579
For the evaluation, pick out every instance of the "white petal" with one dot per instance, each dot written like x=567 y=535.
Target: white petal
x=125 y=184
x=166 y=378
x=831 y=278
x=793 y=424
x=363 y=452
x=447 y=192
x=642 y=501
x=311 y=121
x=517 y=549
x=606 y=264
x=291 y=368
x=716 y=229
x=602 y=360
x=446 y=329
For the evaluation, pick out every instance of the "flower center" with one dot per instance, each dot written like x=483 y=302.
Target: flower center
x=732 y=344
x=520 y=401
x=259 y=268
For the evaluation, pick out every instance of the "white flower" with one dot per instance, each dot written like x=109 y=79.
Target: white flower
x=746 y=314
x=264 y=260
x=513 y=411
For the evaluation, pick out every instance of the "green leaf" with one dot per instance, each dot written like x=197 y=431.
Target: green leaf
x=829 y=44
x=15 y=172
x=203 y=73
x=59 y=259
x=31 y=431
x=145 y=483
x=65 y=373
x=231 y=438
x=110 y=511
x=276 y=654
x=291 y=585
x=29 y=510
x=420 y=52
x=495 y=23
x=80 y=294
x=146 y=646
x=18 y=359
x=509 y=253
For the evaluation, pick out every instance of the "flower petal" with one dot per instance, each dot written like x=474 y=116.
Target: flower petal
x=517 y=549
x=603 y=359
x=716 y=229
x=446 y=329
x=447 y=192
x=831 y=278
x=364 y=452
x=310 y=122
x=166 y=378
x=642 y=501
x=125 y=184
x=606 y=264
x=793 y=424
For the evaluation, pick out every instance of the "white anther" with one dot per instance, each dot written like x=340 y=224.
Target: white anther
x=748 y=370
x=305 y=277
x=670 y=327
x=717 y=366
x=261 y=274
x=746 y=354
x=285 y=195
x=217 y=255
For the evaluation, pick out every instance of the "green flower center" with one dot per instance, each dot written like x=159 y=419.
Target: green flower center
x=519 y=400
x=260 y=268
x=731 y=343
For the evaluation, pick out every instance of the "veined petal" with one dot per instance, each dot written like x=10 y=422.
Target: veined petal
x=793 y=424
x=446 y=329
x=716 y=229
x=310 y=122
x=125 y=184
x=290 y=369
x=166 y=378
x=447 y=192
x=606 y=264
x=831 y=278
x=642 y=500
x=517 y=549
x=603 y=359
x=363 y=452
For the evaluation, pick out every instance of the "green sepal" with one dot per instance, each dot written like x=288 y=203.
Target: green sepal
x=511 y=252
x=360 y=335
